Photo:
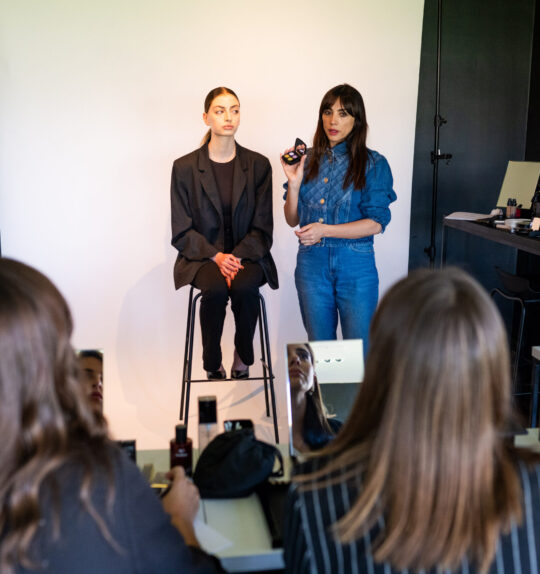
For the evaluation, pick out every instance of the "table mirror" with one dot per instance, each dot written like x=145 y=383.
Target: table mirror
x=323 y=380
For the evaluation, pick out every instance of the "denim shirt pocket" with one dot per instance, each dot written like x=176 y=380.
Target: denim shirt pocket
x=310 y=209
x=344 y=209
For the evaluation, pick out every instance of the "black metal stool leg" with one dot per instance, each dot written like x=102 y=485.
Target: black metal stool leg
x=263 y=356
x=190 y=359
x=270 y=371
x=186 y=349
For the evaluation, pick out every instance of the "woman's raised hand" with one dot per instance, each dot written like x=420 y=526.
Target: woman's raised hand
x=295 y=172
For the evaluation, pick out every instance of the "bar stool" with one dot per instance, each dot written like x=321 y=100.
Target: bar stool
x=266 y=361
x=519 y=290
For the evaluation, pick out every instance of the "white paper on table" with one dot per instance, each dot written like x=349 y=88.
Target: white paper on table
x=466 y=216
x=209 y=538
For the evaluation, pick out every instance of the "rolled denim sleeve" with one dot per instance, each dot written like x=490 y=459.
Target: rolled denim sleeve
x=378 y=193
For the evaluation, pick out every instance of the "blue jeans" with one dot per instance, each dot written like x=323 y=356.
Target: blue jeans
x=334 y=281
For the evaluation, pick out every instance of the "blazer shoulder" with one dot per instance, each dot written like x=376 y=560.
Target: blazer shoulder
x=187 y=161
x=251 y=155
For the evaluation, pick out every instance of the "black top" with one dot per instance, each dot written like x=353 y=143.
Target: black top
x=224 y=174
x=313 y=433
x=311 y=548
x=148 y=542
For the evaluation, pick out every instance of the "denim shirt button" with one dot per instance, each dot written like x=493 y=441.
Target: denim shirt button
x=321 y=220
x=325 y=180
x=321 y=201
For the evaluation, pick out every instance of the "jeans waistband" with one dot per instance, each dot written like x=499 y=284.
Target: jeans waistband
x=363 y=243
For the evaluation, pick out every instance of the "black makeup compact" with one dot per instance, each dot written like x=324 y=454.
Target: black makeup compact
x=294 y=156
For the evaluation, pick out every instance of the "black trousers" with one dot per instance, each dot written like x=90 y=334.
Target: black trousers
x=244 y=294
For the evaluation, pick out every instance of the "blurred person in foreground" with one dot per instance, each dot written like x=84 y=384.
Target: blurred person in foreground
x=423 y=476
x=70 y=501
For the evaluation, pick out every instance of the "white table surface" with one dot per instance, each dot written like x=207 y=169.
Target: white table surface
x=529 y=440
x=240 y=520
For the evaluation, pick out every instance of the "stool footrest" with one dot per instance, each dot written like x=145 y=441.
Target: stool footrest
x=267 y=378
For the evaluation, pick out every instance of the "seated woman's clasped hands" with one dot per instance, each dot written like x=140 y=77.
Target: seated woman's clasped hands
x=229 y=265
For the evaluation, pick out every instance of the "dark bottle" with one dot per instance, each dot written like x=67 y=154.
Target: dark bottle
x=181 y=449
x=535 y=203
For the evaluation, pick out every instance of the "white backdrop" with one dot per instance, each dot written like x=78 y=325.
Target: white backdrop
x=97 y=100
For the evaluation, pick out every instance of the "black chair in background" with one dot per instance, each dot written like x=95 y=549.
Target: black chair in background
x=266 y=361
x=519 y=290
x=535 y=384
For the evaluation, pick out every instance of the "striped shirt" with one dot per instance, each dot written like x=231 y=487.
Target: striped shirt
x=309 y=547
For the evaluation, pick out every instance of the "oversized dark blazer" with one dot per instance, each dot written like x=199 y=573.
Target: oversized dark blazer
x=197 y=214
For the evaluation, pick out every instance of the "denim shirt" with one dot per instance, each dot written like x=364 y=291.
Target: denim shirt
x=323 y=199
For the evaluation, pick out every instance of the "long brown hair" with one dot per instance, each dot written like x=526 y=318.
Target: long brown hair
x=352 y=102
x=210 y=97
x=45 y=421
x=315 y=396
x=426 y=433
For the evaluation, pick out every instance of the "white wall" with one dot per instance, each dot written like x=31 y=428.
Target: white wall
x=98 y=98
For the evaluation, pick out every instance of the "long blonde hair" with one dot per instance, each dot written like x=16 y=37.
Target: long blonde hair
x=426 y=432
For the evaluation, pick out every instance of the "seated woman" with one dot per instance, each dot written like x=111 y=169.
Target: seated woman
x=312 y=428
x=70 y=501
x=222 y=225
x=421 y=478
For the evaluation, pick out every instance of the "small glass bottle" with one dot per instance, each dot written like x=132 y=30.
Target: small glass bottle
x=181 y=449
x=208 y=428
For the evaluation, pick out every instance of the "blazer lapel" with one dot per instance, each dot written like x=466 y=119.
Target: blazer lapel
x=208 y=181
x=239 y=177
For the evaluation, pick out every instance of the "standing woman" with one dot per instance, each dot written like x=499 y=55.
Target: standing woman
x=221 y=203
x=339 y=194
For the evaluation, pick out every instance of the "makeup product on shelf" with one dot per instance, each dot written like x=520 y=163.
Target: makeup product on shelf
x=208 y=428
x=181 y=448
x=511 y=208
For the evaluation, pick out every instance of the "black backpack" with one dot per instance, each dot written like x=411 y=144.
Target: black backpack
x=234 y=464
